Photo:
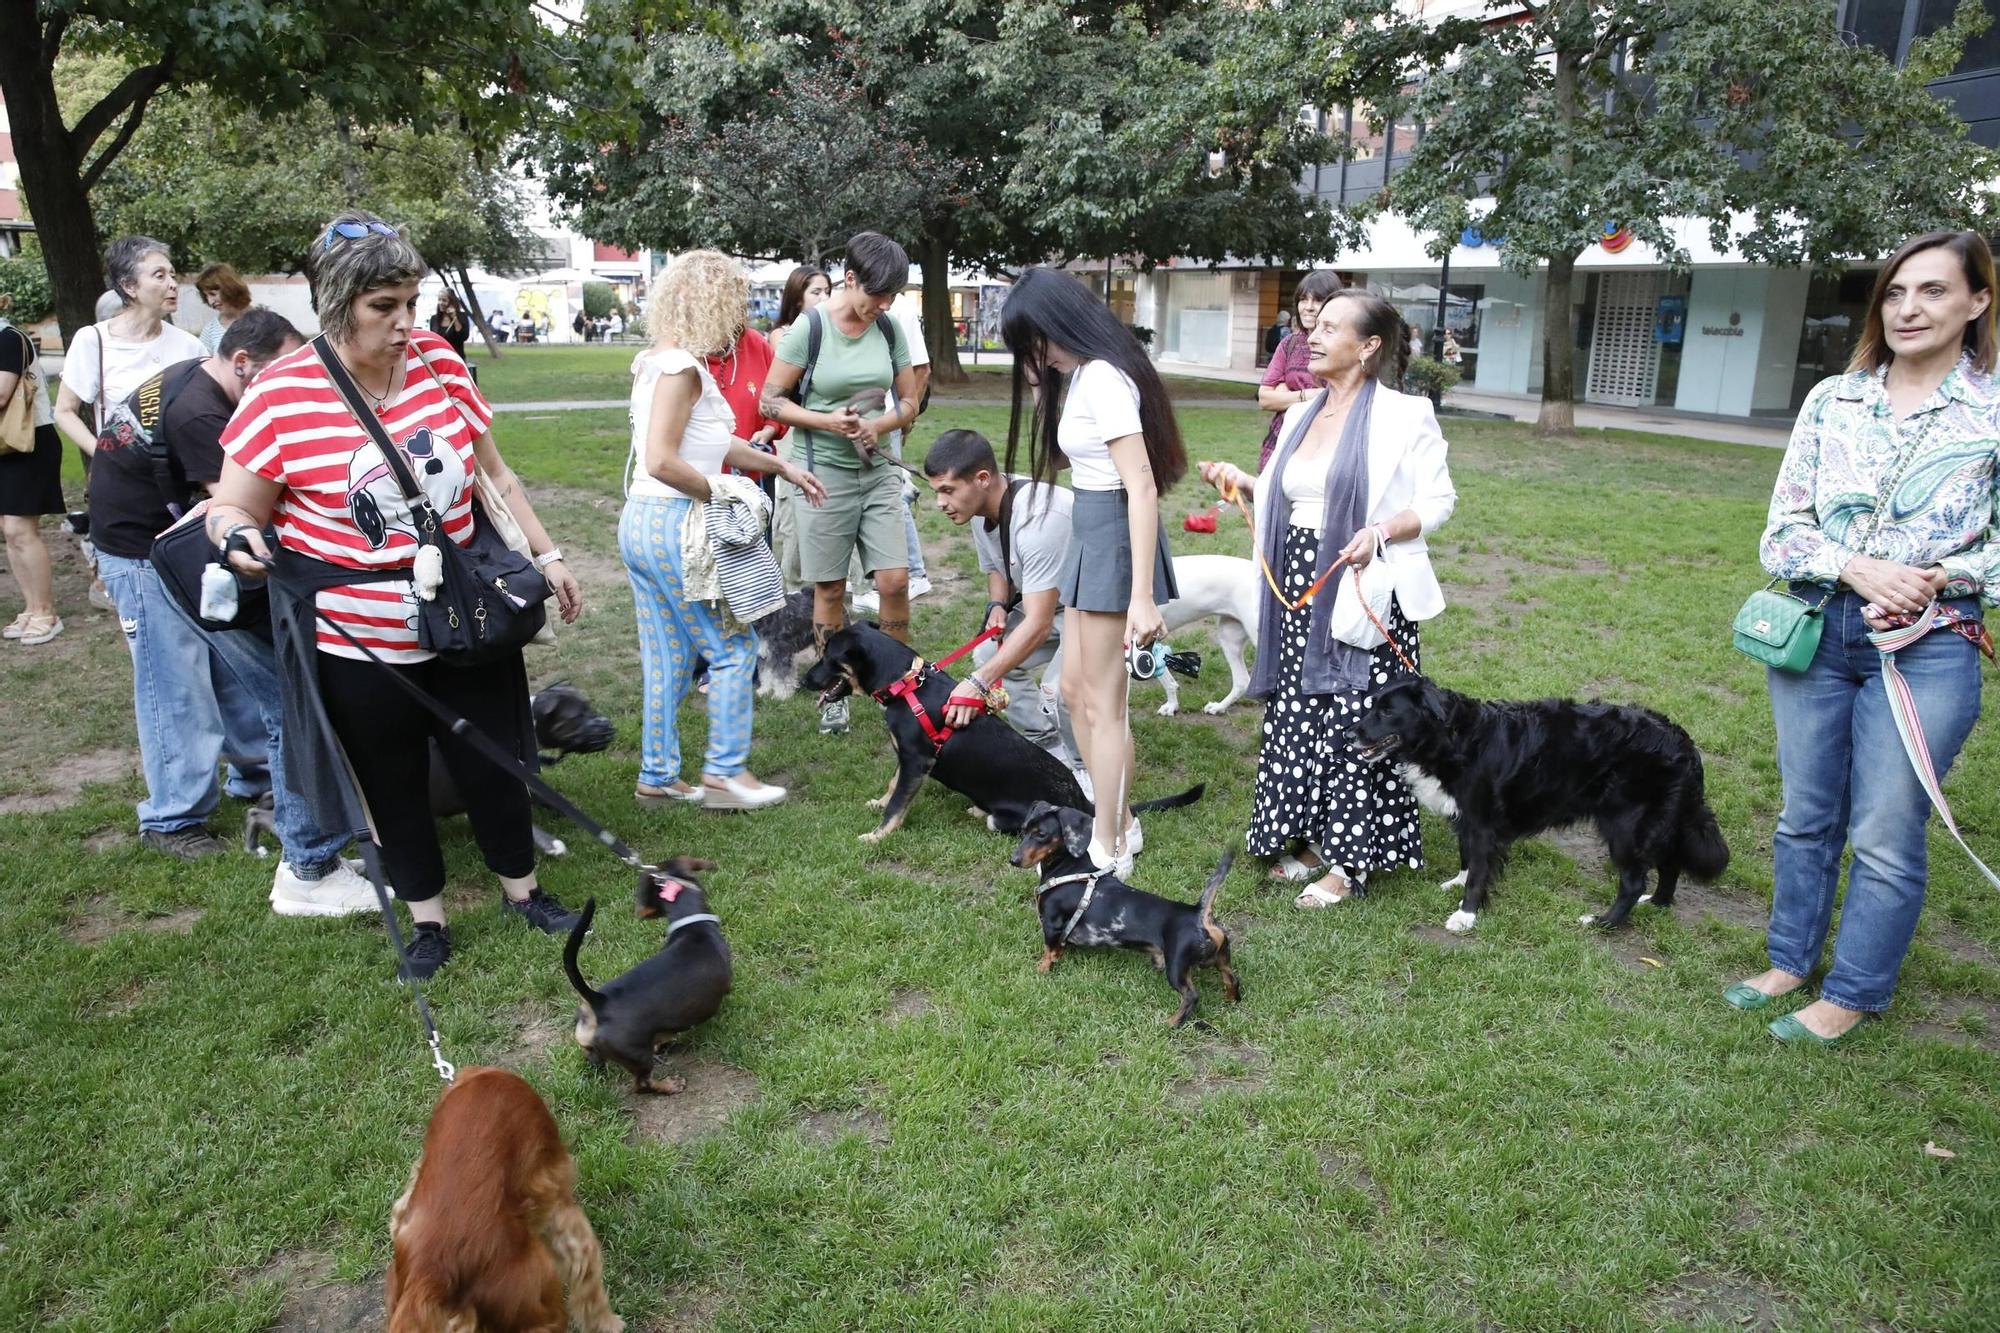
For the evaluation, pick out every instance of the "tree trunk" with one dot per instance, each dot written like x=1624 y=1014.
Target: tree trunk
x=477 y=315
x=940 y=335
x=1558 y=415
x=51 y=172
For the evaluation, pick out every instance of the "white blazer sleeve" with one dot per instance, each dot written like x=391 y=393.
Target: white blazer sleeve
x=1433 y=498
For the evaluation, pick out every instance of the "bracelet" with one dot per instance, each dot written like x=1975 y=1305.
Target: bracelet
x=991 y=605
x=547 y=558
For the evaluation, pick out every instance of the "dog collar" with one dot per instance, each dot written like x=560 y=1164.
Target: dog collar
x=690 y=920
x=1089 y=880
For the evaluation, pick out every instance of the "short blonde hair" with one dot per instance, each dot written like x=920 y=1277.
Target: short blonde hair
x=700 y=304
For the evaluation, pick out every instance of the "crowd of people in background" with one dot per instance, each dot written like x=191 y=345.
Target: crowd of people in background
x=761 y=466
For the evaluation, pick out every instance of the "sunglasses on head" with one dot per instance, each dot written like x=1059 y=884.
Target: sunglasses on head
x=354 y=231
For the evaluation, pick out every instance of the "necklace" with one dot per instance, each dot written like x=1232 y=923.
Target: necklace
x=380 y=401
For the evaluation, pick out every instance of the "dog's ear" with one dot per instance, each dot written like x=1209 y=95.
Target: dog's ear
x=689 y=865
x=1076 y=827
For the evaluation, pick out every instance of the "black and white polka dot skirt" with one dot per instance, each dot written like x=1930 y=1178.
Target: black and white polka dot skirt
x=1311 y=789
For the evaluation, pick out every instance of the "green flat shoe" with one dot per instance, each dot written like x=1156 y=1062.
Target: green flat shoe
x=1745 y=996
x=1792 y=1032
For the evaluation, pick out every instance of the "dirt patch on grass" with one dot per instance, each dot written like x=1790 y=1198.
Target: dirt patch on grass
x=1730 y=1300
x=1734 y=909
x=101 y=918
x=1223 y=1068
x=132 y=995
x=109 y=840
x=536 y=1027
x=1962 y=1019
x=831 y=1127
x=1963 y=947
x=1348 y=1171
x=1439 y=935
x=62 y=784
x=1629 y=948
x=927 y=875
x=687 y=1312
x=714 y=1092
x=316 y=1304
x=1580 y=844
x=905 y=1005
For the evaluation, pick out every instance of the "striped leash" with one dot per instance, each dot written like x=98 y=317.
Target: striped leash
x=1903 y=707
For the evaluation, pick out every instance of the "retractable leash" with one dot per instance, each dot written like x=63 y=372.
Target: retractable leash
x=1903 y=707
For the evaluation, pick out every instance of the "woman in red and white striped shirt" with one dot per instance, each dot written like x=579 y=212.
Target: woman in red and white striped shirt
x=300 y=461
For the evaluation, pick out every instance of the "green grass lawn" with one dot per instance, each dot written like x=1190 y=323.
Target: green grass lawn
x=603 y=373
x=896 y=1123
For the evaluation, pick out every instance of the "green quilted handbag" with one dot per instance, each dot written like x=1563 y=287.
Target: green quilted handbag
x=1779 y=628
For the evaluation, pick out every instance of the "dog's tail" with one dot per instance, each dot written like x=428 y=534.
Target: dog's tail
x=1208 y=890
x=1704 y=854
x=1188 y=797
x=576 y=933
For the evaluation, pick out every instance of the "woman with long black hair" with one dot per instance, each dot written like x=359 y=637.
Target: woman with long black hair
x=1094 y=403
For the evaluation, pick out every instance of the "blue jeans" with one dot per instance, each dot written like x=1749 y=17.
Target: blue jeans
x=915 y=546
x=252 y=663
x=673 y=632
x=190 y=710
x=1848 y=781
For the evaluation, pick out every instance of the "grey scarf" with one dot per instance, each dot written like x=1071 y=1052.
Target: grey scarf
x=1330 y=665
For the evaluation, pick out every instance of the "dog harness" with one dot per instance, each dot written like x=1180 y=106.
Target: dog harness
x=912 y=680
x=1089 y=879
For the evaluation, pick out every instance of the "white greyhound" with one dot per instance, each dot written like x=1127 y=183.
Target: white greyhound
x=1222 y=587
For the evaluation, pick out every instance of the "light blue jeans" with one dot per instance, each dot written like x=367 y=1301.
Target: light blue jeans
x=673 y=633
x=251 y=661
x=190 y=711
x=1849 y=782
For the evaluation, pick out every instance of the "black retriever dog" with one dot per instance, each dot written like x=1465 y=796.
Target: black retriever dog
x=1502 y=772
x=989 y=763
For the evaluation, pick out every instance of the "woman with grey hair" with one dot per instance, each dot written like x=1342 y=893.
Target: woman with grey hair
x=299 y=460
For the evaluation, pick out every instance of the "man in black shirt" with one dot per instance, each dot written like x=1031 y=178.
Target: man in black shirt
x=160 y=450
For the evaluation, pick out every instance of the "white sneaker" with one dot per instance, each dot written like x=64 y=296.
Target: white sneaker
x=918 y=587
x=1083 y=781
x=868 y=601
x=1135 y=837
x=341 y=893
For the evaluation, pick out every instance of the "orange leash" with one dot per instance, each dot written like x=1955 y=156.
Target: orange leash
x=1232 y=493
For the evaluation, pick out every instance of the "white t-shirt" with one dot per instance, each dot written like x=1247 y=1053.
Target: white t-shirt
x=912 y=331
x=1304 y=485
x=1102 y=405
x=127 y=365
x=710 y=424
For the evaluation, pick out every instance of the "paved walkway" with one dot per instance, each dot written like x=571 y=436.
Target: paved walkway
x=1518 y=407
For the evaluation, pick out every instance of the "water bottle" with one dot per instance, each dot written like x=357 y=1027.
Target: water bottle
x=218 y=593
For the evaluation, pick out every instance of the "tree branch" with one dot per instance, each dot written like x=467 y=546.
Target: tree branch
x=52 y=38
x=131 y=126
x=132 y=91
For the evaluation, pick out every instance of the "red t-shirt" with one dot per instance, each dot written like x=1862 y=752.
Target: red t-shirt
x=341 y=502
x=740 y=375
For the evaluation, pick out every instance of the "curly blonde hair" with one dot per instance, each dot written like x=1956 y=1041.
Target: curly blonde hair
x=700 y=304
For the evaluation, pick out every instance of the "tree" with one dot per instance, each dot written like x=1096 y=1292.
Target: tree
x=1793 y=146
x=1036 y=129
x=422 y=63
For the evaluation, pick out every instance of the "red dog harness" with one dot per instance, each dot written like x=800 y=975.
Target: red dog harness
x=913 y=679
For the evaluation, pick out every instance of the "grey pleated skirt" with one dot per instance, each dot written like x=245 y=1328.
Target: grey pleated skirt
x=1098 y=573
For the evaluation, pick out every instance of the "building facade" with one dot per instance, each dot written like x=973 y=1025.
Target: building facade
x=1719 y=337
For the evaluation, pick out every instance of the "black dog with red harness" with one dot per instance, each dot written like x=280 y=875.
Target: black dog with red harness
x=989 y=763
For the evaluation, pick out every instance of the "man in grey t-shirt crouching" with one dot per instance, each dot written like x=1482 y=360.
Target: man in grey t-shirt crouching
x=1021 y=530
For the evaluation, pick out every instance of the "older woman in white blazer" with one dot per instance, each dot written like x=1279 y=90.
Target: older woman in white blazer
x=1359 y=468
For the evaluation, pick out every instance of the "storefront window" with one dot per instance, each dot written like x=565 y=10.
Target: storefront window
x=1415 y=296
x=1835 y=310
x=1877 y=23
x=1198 y=318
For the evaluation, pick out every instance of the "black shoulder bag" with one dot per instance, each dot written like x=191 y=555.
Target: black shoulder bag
x=489 y=600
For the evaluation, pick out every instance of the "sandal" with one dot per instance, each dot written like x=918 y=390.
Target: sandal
x=1316 y=895
x=15 y=627
x=664 y=795
x=40 y=629
x=1293 y=870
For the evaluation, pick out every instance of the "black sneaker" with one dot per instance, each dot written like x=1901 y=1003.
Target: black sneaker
x=427 y=949
x=542 y=911
x=188 y=844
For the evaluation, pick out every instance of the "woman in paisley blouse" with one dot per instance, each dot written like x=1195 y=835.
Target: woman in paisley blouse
x=1886 y=499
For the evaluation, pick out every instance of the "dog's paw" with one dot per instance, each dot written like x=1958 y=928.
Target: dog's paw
x=873 y=835
x=1461 y=922
x=1045 y=965
x=992 y=824
x=1457 y=881
x=1587 y=919
x=877 y=802
x=664 y=1087
x=1213 y=708
x=1168 y=709
x=1645 y=897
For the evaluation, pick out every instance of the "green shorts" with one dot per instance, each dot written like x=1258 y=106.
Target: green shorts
x=863 y=512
